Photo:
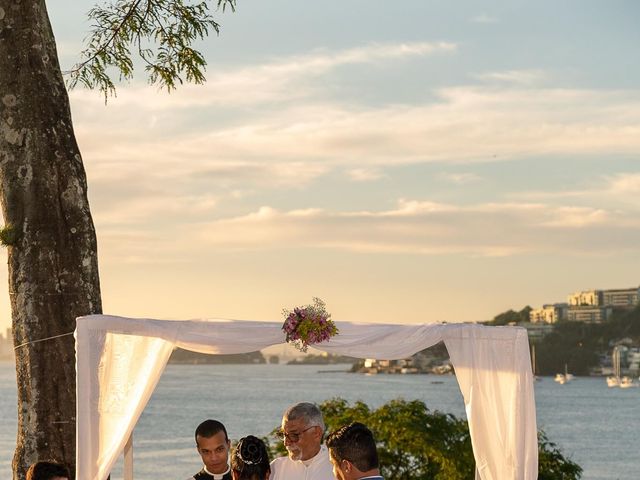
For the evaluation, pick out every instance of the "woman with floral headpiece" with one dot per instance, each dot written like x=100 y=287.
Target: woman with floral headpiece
x=250 y=460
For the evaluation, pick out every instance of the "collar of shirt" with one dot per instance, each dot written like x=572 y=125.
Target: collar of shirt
x=218 y=476
x=311 y=460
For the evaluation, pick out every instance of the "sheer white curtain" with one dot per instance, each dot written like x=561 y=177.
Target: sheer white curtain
x=120 y=360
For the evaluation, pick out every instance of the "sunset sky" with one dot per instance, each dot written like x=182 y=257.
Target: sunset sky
x=418 y=161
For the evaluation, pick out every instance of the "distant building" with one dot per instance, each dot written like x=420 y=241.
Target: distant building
x=588 y=314
x=621 y=298
x=403 y=366
x=616 y=298
x=633 y=360
x=549 y=313
x=586 y=298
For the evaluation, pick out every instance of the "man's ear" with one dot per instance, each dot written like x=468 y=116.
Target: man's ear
x=346 y=465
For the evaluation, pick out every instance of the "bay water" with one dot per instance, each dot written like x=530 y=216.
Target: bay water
x=594 y=425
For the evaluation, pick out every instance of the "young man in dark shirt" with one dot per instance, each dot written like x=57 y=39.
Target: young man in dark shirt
x=213 y=446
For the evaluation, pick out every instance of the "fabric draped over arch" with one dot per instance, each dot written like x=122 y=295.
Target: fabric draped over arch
x=119 y=362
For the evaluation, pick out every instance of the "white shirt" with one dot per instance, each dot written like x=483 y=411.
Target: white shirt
x=316 y=468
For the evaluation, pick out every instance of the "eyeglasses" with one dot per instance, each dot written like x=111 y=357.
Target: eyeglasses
x=293 y=437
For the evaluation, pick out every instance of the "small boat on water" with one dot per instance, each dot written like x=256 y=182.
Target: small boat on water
x=563 y=378
x=617 y=380
x=613 y=382
x=627 y=382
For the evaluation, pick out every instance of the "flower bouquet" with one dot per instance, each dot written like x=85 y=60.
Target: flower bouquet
x=308 y=324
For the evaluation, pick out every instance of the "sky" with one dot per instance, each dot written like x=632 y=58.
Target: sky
x=424 y=161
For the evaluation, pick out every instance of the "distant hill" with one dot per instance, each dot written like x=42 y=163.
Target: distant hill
x=509 y=317
x=576 y=344
x=186 y=357
x=579 y=345
x=322 y=360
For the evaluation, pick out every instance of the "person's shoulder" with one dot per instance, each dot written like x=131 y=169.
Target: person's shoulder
x=324 y=453
x=279 y=460
x=277 y=465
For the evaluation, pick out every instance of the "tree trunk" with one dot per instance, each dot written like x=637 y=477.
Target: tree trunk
x=53 y=268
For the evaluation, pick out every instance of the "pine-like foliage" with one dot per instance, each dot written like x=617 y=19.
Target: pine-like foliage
x=161 y=33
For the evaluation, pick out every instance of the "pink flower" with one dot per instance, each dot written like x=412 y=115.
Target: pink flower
x=316 y=322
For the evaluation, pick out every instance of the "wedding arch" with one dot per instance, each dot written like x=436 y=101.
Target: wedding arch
x=120 y=360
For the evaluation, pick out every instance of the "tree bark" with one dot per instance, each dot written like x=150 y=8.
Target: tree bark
x=53 y=267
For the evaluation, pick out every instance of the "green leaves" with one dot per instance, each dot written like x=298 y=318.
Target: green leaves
x=415 y=443
x=9 y=235
x=160 y=33
x=551 y=464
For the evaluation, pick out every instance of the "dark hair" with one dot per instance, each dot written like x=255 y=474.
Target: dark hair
x=209 y=428
x=356 y=444
x=47 y=471
x=250 y=459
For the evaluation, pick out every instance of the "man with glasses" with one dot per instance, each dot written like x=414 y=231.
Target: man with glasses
x=302 y=431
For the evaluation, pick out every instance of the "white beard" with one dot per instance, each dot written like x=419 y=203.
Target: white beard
x=294 y=453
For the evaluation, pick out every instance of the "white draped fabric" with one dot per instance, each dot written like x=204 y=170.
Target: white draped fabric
x=119 y=362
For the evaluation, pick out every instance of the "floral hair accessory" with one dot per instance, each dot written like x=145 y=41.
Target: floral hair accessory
x=308 y=324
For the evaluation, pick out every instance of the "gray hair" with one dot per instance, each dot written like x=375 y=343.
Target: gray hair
x=309 y=412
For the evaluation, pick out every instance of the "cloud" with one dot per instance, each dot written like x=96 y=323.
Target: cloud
x=624 y=184
x=203 y=152
x=464 y=124
x=484 y=18
x=159 y=208
x=619 y=189
x=521 y=77
x=244 y=125
x=460 y=178
x=297 y=144
x=365 y=174
x=274 y=121
x=427 y=228
x=262 y=83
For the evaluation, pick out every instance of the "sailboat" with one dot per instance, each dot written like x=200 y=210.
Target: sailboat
x=565 y=377
x=617 y=380
x=614 y=381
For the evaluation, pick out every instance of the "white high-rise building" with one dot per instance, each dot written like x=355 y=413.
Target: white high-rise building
x=549 y=313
